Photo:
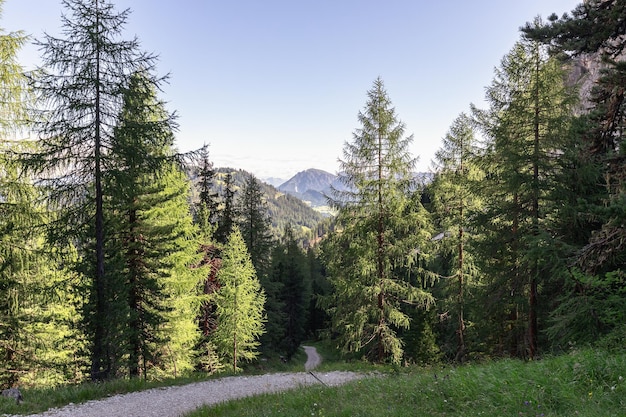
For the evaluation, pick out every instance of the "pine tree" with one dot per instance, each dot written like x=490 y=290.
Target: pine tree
x=452 y=201
x=380 y=232
x=80 y=89
x=240 y=303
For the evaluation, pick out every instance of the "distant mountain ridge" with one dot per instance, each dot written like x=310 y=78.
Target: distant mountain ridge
x=313 y=186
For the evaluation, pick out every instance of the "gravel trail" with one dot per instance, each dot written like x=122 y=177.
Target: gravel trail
x=177 y=401
x=313 y=359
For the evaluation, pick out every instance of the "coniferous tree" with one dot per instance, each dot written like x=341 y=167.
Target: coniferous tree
x=595 y=32
x=255 y=225
x=290 y=270
x=228 y=214
x=452 y=201
x=79 y=87
x=240 y=303
x=379 y=233
x=527 y=128
x=142 y=148
x=206 y=207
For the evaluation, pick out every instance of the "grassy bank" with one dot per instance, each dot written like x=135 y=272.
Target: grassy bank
x=39 y=399
x=586 y=383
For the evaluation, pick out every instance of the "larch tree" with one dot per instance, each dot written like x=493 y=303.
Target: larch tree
x=80 y=85
x=381 y=235
x=452 y=202
x=21 y=218
x=240 y=303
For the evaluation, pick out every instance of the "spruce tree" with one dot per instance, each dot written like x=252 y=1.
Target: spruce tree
x=379 y=233
x=240 y=303
x=291 y=273
x=206 y=208
x=84 y=73
x=142 y=148
x=255 y=224
x=228 y=214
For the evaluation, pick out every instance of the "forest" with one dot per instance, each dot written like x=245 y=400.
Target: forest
x=121 y=257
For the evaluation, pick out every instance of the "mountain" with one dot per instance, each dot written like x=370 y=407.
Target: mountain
x=283 y=209
x=311 y=186
x=314 y=185
x=311 y=179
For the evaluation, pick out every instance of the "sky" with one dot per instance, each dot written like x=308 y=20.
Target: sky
x=275 y=86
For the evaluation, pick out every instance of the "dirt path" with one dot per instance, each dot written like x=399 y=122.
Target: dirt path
x=177 y=401
x=313 y=359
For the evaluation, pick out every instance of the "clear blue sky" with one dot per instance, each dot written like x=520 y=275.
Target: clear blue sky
x=275 y=86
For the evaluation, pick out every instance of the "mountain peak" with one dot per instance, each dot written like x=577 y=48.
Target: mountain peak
x=310 y=179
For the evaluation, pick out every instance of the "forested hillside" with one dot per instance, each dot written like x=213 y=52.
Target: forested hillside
x=283 y=209
x=122 y=258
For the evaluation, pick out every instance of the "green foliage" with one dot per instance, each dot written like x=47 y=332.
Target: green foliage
x=452 y=202
x=240 y=304
x=151 y=240
x=85 y=72
x=254 y=224
x=381 y=233
x=526 y=131
x=290 y=273
x=587 y=383
x=592 y=307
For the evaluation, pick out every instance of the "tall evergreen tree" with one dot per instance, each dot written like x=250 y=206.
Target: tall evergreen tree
x=452 y=201
x=228 y=214
x=255 y=225
x=240 y=303
x=290 y=270
x=380 y=234
x=206 y=207
x=527 y=127
x=595 y=31
x=84 y=73
x=142 y=146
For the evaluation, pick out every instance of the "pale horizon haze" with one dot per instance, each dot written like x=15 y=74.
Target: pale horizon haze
x=274 y=87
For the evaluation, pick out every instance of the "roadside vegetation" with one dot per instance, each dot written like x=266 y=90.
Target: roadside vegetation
x=582 y=383
x=586 y=382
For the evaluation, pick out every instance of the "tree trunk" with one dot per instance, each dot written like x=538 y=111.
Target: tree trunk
x=100 y=366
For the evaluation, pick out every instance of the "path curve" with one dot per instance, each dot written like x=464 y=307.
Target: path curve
x=313 y=359
x=180 y=400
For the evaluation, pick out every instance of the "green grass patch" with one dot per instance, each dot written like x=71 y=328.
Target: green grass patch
x=587 y=383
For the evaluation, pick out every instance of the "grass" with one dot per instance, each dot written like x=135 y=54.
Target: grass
x=582 y=383
x=37 y=400
x=585 y=383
